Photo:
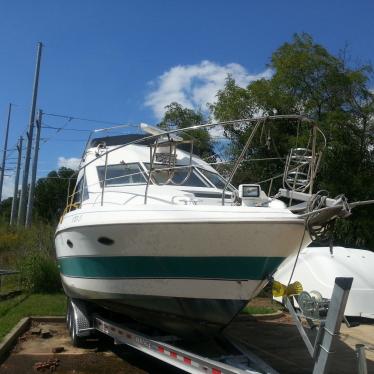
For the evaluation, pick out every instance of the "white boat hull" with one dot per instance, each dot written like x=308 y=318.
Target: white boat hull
x=190 y=271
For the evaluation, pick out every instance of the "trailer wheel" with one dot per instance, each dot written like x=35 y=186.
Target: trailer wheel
x=69 y=318
x=73 y=316
x=76 y=340
x=67 y=312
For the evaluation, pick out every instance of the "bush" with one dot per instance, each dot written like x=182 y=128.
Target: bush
x=39 y=272
x=16 y=242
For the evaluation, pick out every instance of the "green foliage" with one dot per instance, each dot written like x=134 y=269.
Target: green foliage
x=31 y=251
x=5 y=209
x=13 y=310
x=307 y=79
x=177 y=117
x=50 y=197
x=51 y=194
x=233 y=102
x=39 y=272
x=259 y=310
x=20 y=239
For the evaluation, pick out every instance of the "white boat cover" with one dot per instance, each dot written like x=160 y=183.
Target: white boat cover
x=317 y=268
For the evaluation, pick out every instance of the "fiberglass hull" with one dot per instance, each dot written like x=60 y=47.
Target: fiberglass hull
x=183 y=277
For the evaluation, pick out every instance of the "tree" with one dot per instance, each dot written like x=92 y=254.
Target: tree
x=51 y=194
x=177 y=117
x=5 y=209
x=309 y=80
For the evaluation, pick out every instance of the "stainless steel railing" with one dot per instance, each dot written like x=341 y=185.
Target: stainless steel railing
x=258 y=122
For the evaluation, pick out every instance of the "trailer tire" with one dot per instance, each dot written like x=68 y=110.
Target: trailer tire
x=67 y=312
x=76 y=340
x=68 y=316
x=76 y=317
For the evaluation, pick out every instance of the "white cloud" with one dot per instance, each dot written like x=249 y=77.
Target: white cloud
x=71 y=163
x=193 y=86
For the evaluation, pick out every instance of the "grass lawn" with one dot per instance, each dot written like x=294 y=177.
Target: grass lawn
x=259 y=310
x=13 y=310
x=261 y=305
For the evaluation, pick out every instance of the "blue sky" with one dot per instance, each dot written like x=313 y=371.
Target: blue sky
x=122 y=61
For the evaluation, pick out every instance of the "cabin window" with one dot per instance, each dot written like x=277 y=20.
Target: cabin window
x=216 y=179
x=178 y=174
x=81 y=191
x=121 y=174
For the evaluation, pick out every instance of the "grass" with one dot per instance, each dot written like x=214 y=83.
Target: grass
x=259 y=310
x=10 y=283
x=13 y=310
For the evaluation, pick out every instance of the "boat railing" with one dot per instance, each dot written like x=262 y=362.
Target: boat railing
x=168 y=139
x=74 y=203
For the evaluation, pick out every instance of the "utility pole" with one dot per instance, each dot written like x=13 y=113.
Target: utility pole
x=23 y=198
x=34 y=169
x=13 y=214
x=5 y=150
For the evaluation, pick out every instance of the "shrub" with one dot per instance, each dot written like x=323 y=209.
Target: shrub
x=8 y=240
x=16 y=242
x=39 y=272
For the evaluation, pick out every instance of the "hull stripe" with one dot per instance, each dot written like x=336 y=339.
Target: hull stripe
x=228 y=268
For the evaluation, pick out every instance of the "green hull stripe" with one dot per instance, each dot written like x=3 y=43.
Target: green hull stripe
x=255 y=268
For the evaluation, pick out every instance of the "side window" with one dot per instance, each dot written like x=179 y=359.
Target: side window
x=216 y=179
x=85 y=194
x=121 y=174
x=78 y=192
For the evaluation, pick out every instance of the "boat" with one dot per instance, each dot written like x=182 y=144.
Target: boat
x=317 y=267
x=153 y=232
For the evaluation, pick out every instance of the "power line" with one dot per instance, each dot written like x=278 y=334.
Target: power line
x=54 y=178
x=45 y=140
x=70 y=118
x=64 y=129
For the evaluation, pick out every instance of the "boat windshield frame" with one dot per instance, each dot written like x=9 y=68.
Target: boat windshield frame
x=191 y=170
x=171 y=134
x=140 y=173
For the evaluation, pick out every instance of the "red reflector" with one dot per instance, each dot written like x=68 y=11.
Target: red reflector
x=187 y=360
x=161 y=349
x=173 y=354
x=216 y=371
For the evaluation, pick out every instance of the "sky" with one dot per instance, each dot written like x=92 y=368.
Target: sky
x=122 y=61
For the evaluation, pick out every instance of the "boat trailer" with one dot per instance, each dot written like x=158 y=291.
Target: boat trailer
x=82 y=323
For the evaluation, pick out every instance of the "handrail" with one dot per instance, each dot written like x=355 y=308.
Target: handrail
x=150 y=169
x=196 y=127
x=258 y=120
x=103 y=185
x=239 y=160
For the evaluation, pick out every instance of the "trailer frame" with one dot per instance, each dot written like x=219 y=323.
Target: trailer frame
x=82 y=322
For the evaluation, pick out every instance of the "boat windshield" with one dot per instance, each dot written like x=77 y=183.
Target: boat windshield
x=178 y=175
x=216 y=179
x=121 y=174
